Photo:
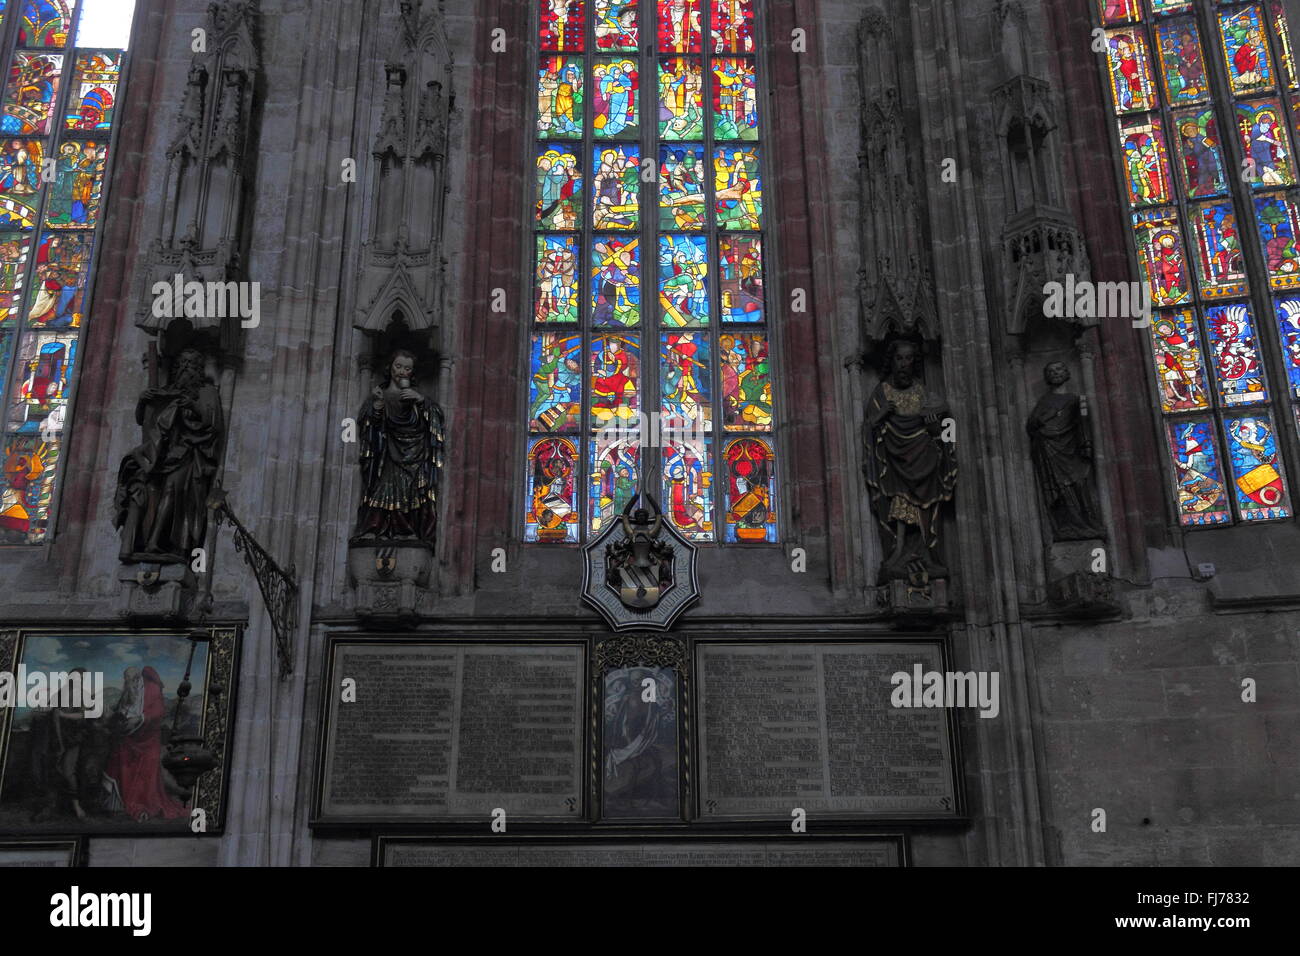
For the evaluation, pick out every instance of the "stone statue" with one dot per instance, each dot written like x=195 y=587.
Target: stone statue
x=163 y=484
x=1061 y=449
x=909 y=469
x=401 y=456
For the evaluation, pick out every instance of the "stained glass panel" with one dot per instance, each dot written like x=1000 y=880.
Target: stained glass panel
x=1120 y=11
x=750 y=494
x=615 y=464
x=559 y=96
x=681 y=187
x=1218 y=250
x=688 y=488
x=559 y=188
x=733 y=26
x=552 y=491
x=26 y=487
x=72 y=201
x=1198 y=478
x=616 y=186
x=46 y=22
x=681 y=99
x=1265 y=144
x=1169 y=6
x=683 y=281
x=1279 y=224
x=59 y=282
x=1180 y=365
x=735 y=99
x=615 y=281
x=1234 y=349
x=42 y=384
x=14 y=251
x=615 y=94
x=1146 y=160
x=680 y=26
x=1132 y=83
x=615 y=381
x=1200 y=152
x=20 y=182
x=740 y=278
x=617 y=25
x=738 y=190
x=32 y=93
x=94 y=91
x=557 y=279
x=563 y=25
x=1245 y=50
x=1256 y=471
x=1283 y=33
x=685 y=378
x=1287 y=310
x=746 y=383
x=1182 y=62
x=555 y=394
x=1160 y=256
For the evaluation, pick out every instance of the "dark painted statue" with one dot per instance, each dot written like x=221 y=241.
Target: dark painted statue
x=163 y=483
x=910 y=469
x=401 y=437
x=1061 y=449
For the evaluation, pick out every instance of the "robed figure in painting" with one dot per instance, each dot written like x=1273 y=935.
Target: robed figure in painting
x=135 y=771
x=1062 y=454
x=910 y=470
x=401 y=454
x=163 y=484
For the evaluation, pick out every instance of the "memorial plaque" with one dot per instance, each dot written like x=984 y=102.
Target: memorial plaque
x=441 y=731
x=872 y=851
x=811 y=726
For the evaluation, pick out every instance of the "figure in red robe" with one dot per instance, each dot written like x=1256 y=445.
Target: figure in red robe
x=136 y=762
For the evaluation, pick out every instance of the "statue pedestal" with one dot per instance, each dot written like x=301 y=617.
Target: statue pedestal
x=911 y=603
x=156 y=592
x=390 y=577
x=1072 y=584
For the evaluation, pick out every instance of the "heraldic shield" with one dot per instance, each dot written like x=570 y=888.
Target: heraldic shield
x=640 y=573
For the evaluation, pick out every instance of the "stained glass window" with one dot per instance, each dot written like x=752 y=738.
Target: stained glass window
x=66 y=60
x=1205 y=111
x=650 y=364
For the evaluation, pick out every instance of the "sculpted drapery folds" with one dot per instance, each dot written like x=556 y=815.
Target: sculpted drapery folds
x=1062 y=455
x=163 y=483
x=909 y=469
x=401 y=454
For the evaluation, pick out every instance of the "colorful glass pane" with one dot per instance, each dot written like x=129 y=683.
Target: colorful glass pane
x=1245 y=49
x=1235 y=353
x=555 y=393
x=1279 y=224
x=735 y=98
x=1132 y=83
x=746 y=383
x=683 y=281
x=615 y=281
x=615 y=464
x=32 y=93
x=28 y=464
x=749 y=497
x=563 y=24
x=552 y=490
x=681 y=187
x=1257 y=474
x=20 y=182
x=1265 y=144
x=1288 y=320
x=46 y=22
x=1283 y=32
x=1146 y=161
x=616 y=25
x=94 y=91
x=73 y=198
x=557 y=279
x=616 y=186
x=688 y=488
x=1182 y=62
x=559 y=188
x=615 y=95
x=42 y=384
x=15 y=248
x=1200 y=152
x=1198 y=478
x=1120 y=11
x=1170 y=6
x=733 y=26
x=681 y=99
x=1218 y=250
x=615 y=381
x=685 y=377
x=59 y=282
x=559 y=96
x=1160 y=256
x=1180 y=366
x=738 y=190
x=740 y=278
x=680 y=25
